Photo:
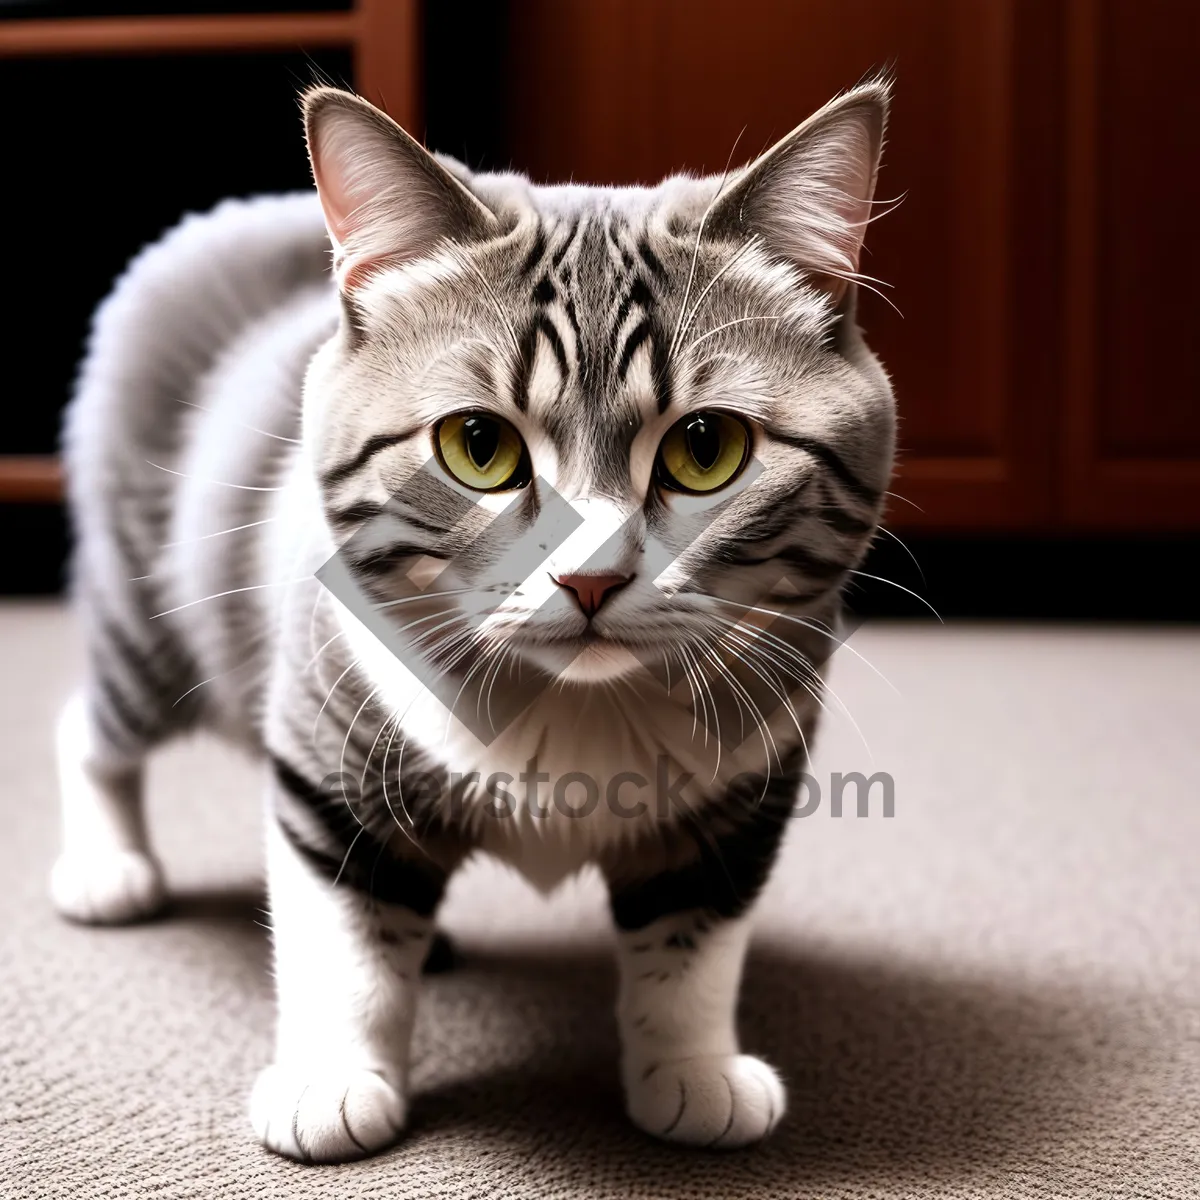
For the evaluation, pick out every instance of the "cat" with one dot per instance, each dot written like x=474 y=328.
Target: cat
x=549 y=486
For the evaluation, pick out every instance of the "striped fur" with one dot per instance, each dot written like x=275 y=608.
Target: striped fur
x=245 y=416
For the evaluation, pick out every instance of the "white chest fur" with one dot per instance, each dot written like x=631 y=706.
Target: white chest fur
x=581 y=770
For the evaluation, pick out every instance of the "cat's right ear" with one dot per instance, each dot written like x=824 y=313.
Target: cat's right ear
x=386 y=199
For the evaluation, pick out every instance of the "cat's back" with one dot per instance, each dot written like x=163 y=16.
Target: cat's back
x=178 y=307
x=184 y=365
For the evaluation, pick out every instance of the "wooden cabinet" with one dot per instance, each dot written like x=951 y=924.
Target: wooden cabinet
x=1132 y=439
x=1040 y=256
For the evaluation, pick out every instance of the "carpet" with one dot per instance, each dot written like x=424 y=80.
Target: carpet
x=993 y=992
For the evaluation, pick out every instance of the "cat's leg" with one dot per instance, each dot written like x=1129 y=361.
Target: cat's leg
x=682 y=938
x=684 y=1075
x=352 y=927
x=106 y=872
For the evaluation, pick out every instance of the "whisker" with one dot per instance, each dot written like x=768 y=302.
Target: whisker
x=328 y=696
x=897 y=496
x=809 y=687
x=312 y=622
x=749 y=244
x=699 y=704
x=816 y=627
x=464 y=260
x=220 y=674
x=909 y=591
x=257 y=587
x=741 y=693
x=687 y=291
x=422 y=596
x=485 y=659
x=345 y=745
x=500 y=659
x=728 y=325
x=362 y=779
x=889 y=533
x=312 y=662
x=219 y=533
x=691 y=688
x=734 y=637
x=409 y=832
x=241 y=487
x=242 y=424
x=864 y=281
x=353 y=842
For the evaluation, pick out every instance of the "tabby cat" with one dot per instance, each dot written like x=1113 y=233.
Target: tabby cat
x=556 y=485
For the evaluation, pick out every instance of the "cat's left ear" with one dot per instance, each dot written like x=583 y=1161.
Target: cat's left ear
x=386 y=199
x=809 y=196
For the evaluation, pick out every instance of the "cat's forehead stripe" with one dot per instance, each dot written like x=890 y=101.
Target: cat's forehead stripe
x=594 y=310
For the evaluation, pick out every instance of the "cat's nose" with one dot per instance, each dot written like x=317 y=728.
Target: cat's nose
x=591 y=591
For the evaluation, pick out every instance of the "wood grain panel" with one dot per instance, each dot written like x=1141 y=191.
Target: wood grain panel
x=627 y=92
x=150 y=35
x=30 y=478
x=387 y=58
x=1131 y=454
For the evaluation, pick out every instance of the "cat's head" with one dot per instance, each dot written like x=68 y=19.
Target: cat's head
x=578 y=427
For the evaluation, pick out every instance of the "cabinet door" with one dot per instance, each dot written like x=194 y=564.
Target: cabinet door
x=1131 y=454
x=626 y=91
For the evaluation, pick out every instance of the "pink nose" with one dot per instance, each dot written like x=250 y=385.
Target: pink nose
x=591 y=590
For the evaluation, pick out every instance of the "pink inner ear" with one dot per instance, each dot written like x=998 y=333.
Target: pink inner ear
x=380 y=209
x=337 y=201
x=815 y=207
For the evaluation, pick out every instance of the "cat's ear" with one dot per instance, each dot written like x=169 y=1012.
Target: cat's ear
x=809 y=196
x=386 y=199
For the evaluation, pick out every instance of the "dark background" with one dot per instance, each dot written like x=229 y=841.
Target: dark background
x=104 y=153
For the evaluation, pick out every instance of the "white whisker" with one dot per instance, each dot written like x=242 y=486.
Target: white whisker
x=422 y=596
x=464 y=260
x=345 y=745
x=257 y=587
x=241 y=487
x=809 y=687
x=387 y=750
x=889 y=533
x=728 y=325
x=897 y=496
x=749 y=244
x=901 y=587
x=740 y=693
x=241 y=424
x=687 y=291
x=312 y=662
x=219 y=533
x=328 y=696
x=816 y=627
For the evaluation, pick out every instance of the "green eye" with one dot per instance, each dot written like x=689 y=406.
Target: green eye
x=703 y=452
x=483 y=452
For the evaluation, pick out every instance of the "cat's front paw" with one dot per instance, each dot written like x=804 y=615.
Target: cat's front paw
x=111 y=887
x=325 y=1117
x=721 y=1102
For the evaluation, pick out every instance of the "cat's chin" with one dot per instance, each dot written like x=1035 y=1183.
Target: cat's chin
x=585 y=662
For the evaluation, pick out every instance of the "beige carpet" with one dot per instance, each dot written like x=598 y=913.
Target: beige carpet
x=994 y=993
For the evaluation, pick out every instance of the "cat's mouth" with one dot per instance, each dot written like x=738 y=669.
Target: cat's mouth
x=588 y=656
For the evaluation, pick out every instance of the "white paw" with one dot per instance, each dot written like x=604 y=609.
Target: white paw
x=107 y=888
x=325 y=1117
x=722 y=1102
